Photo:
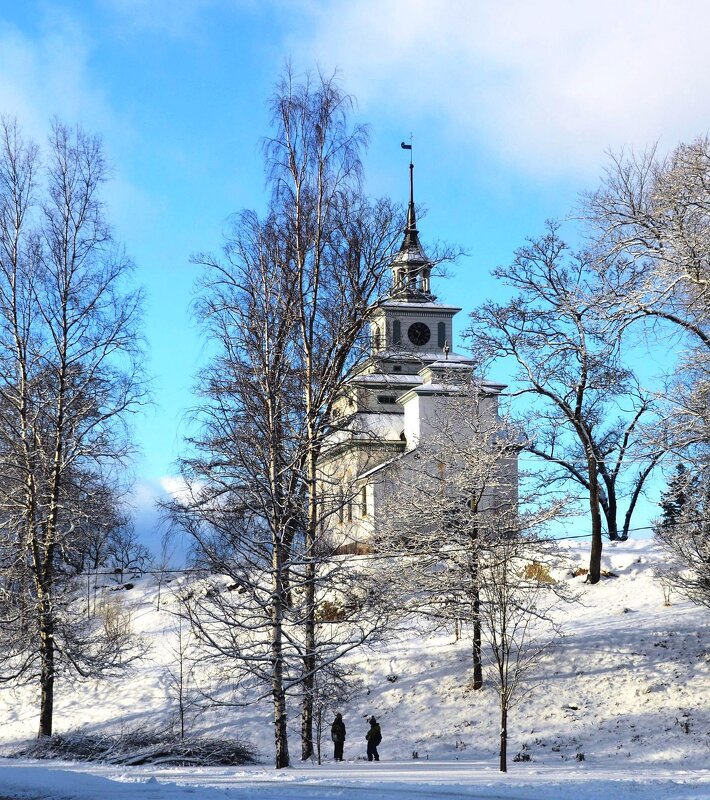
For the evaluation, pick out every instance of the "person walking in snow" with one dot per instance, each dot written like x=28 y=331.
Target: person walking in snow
x=337 y=734
x=374 y=737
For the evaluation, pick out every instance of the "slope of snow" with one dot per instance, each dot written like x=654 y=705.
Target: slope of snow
x=627 y=689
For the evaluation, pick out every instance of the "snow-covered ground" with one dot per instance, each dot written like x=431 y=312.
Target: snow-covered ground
x=355 y=781
x=627 y=689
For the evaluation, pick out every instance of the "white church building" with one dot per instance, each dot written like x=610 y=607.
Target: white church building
x=400 y=390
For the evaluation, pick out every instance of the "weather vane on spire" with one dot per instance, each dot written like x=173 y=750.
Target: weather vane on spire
x=406 y=146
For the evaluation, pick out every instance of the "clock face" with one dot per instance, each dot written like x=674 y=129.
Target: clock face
x=419 y=333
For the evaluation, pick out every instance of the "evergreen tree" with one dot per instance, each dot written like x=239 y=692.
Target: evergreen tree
x=675 y=498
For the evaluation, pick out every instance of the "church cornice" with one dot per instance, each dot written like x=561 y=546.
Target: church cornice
x=361 y=445
x=418 y=309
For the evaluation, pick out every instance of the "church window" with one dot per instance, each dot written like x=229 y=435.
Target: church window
x=376 y=337
x=350 y=509
x=397 y=368
x=363 y=502
x=425 y=280
x=396 y=332
x=341 y=503
x=441 y=334
x=386 y=399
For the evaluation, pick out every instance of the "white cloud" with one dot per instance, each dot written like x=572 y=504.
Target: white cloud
x=544 y=86
x=177 y=488
x=50 y=75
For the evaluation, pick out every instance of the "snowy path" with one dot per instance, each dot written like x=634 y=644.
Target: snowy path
x=31 y=780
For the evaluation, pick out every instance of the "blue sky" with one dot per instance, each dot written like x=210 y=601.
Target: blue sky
x=512 y=106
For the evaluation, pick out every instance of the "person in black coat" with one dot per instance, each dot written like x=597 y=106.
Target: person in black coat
x=374 y=737
x=337 y=734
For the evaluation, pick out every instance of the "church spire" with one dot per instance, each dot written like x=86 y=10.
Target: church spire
x=411 y=269
x=411 y=215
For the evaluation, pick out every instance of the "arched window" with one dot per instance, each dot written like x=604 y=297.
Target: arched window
x=396 y=332
x=441 y=334
x=425 y=280
x=376 y=341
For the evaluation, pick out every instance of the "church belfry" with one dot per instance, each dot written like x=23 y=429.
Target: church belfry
x=410 y=321
x=411 y=269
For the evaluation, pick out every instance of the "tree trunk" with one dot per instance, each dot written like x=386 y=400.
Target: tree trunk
x=477 y=660
x=277 y=676
x=46 y=710
x=503 y=735
x=476 y=605
x=280 y=733
x=319 y=732
x=181 y=683
x=309 y=664
x=611 y=523
x=595 y=556
x=309 y=633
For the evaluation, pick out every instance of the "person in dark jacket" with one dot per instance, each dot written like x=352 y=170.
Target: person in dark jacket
x=337 y=734
x=374 y=737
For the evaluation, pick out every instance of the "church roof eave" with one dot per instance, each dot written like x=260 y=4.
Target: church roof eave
x=401 y=305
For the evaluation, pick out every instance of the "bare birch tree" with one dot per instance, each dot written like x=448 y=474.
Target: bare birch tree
x=286 y=308
x=588 y=408
x=70 y=356
x=341 y=246
x=650 y=219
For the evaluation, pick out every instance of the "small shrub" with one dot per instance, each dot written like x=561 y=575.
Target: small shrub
x=579 y=571
x=684 y=723
x=666 y=588
x=330 y=612
x=141 y=747
x=537 y=572
x=116 y=620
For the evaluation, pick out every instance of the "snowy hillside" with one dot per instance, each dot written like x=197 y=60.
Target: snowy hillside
x=625 y=693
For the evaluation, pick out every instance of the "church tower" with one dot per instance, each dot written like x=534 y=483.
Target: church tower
x=410 y=322
x=385 y=409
